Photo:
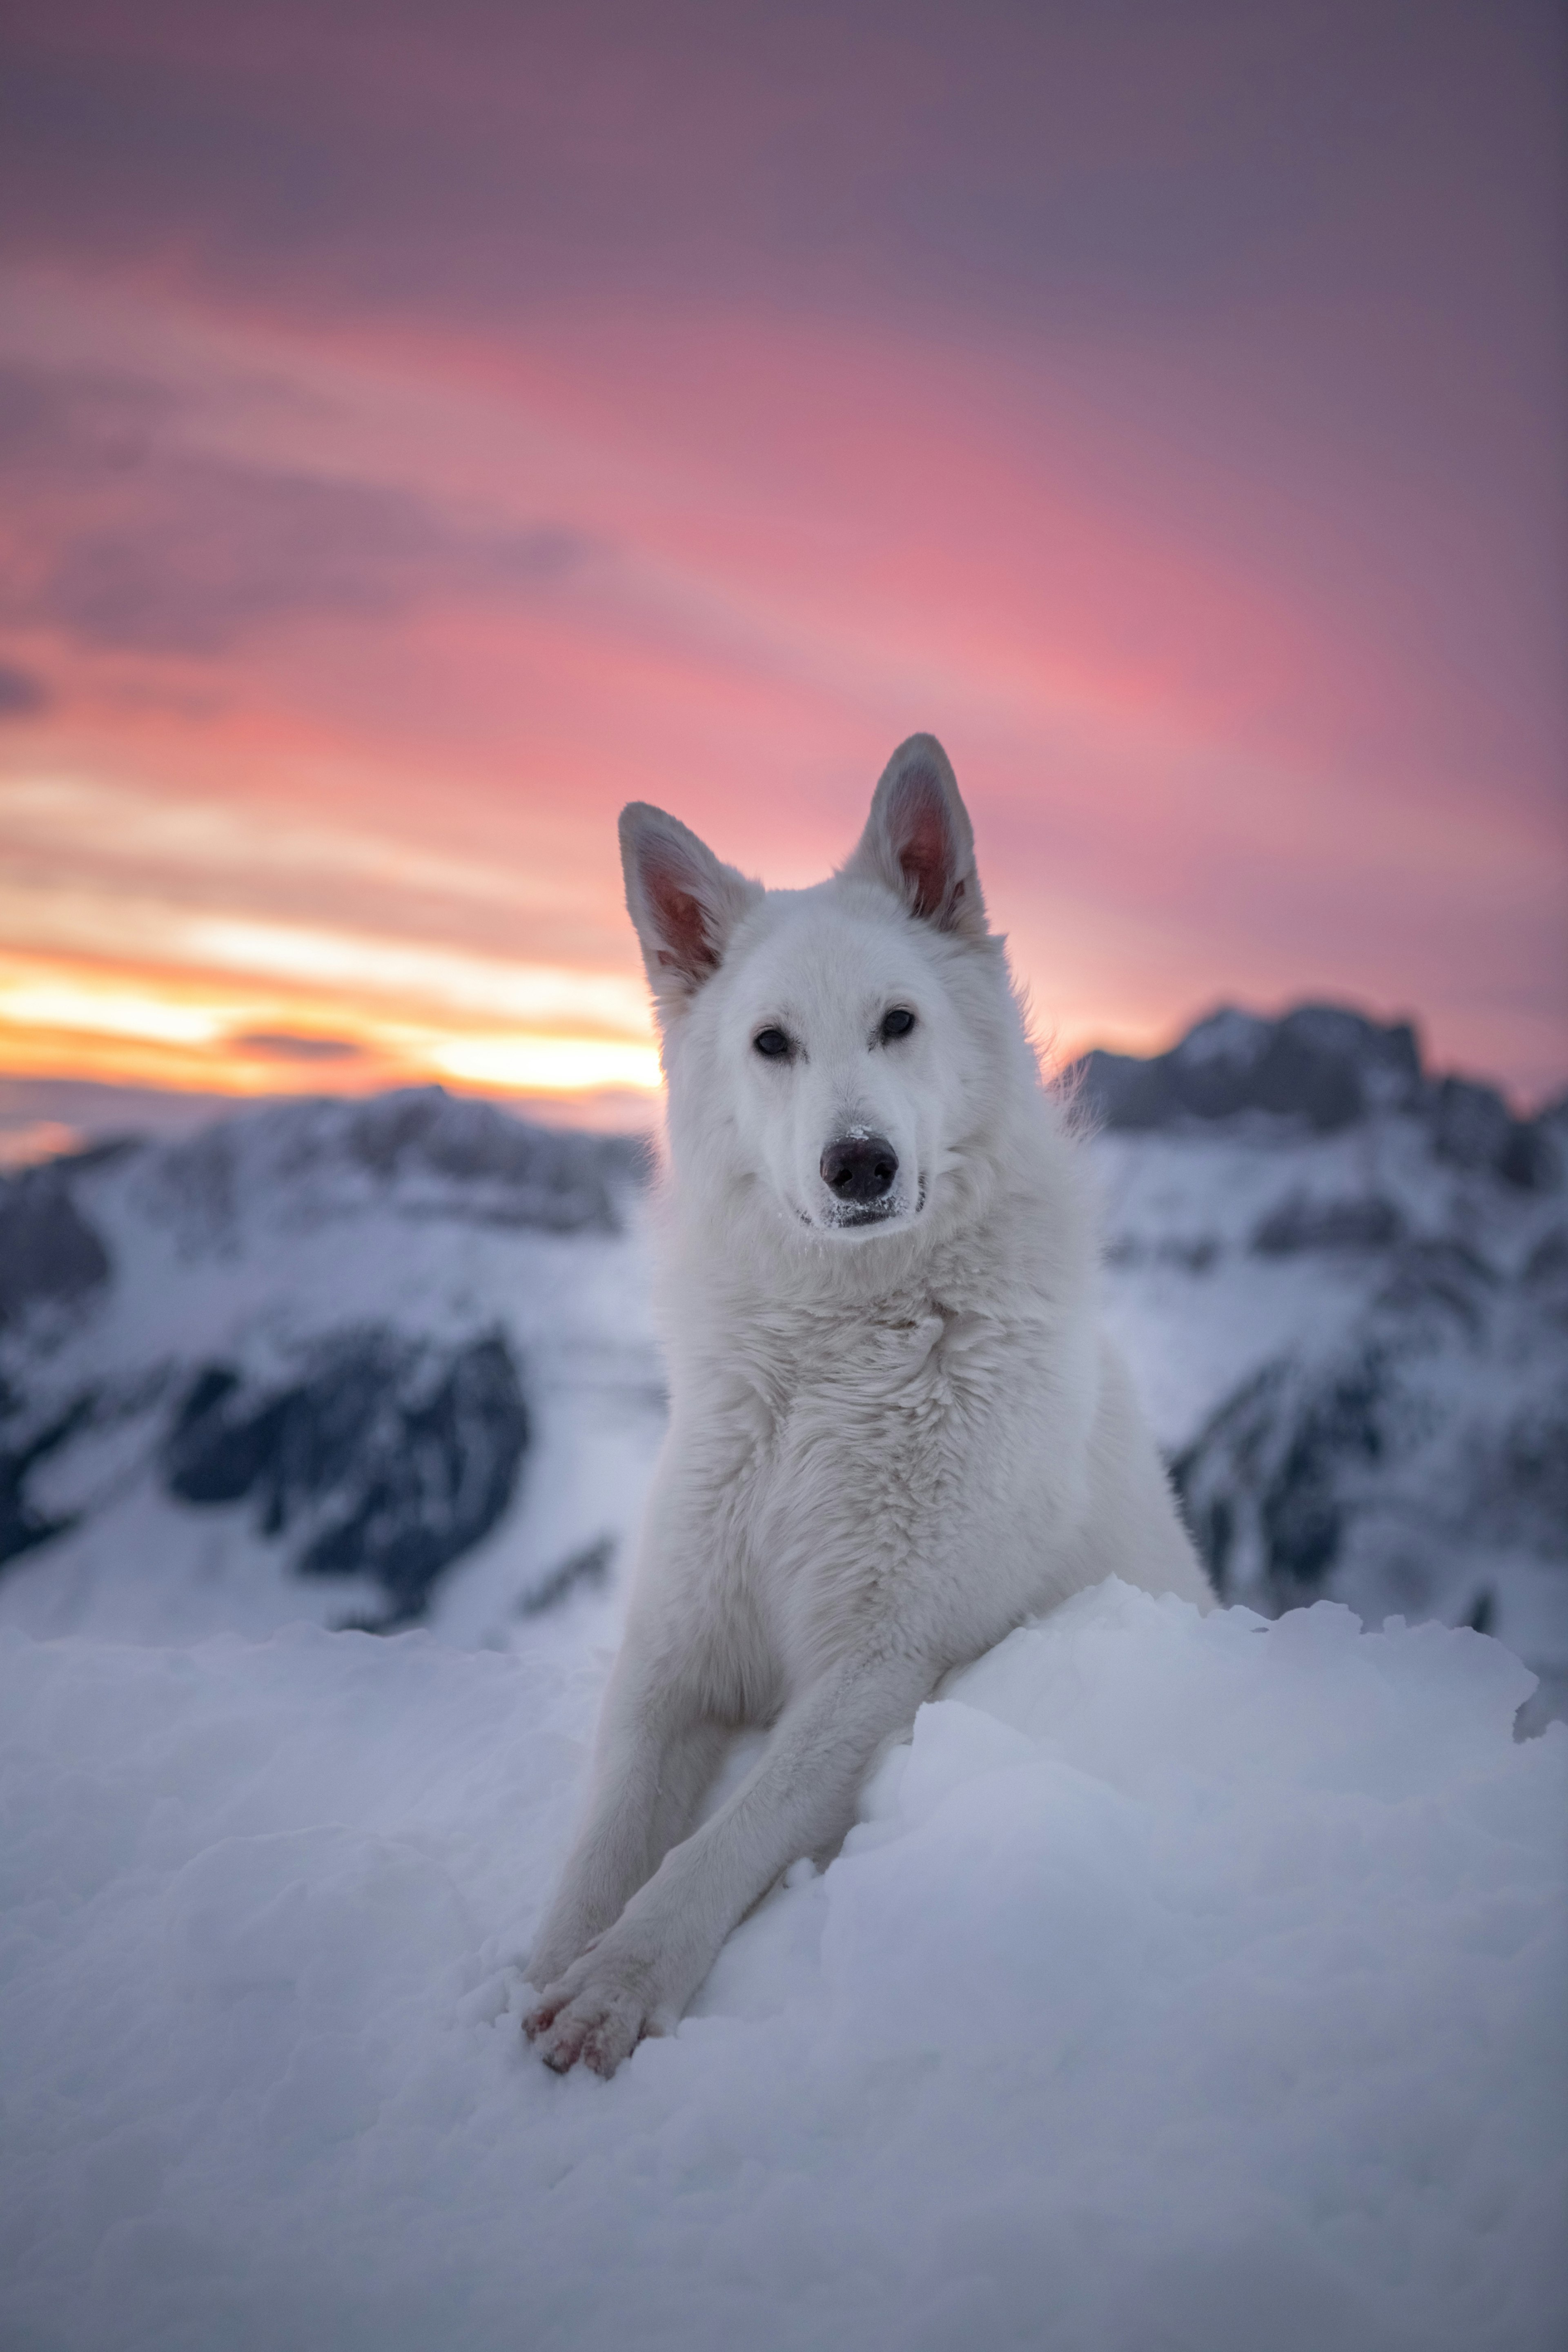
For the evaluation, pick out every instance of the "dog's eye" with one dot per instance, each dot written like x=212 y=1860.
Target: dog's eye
x=897 y=1023
x=773 y=1043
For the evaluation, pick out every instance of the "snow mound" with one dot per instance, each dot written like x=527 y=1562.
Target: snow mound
x=1188 y=1985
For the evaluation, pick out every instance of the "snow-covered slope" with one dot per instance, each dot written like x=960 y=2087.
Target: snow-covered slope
x=360 y=1362
x=1190 y=1985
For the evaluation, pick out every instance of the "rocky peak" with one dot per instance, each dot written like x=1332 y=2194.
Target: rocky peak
x=1321 y=1067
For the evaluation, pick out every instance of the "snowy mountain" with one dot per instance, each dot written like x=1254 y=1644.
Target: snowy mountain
x=385 y=1362
x=1344 y=1284
x=309 y=1361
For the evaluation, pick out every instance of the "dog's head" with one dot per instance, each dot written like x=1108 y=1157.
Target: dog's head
x=826 y=1046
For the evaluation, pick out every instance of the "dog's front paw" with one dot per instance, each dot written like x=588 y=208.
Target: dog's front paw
x=598 y=2013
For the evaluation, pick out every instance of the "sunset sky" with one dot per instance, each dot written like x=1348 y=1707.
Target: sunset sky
x=423 y=428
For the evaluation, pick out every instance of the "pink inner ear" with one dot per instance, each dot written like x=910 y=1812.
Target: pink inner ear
x=678 y=919
x=924 y=844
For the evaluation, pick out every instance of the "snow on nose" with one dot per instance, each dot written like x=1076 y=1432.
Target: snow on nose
x=860 y=1169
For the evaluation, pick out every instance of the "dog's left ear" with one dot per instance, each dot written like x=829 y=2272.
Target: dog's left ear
x=920 y=842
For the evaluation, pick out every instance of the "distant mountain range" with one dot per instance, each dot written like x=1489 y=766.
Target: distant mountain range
x=390 y=1362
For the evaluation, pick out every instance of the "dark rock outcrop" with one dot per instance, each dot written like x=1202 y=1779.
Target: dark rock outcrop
x=1432 y=1438
x=1269 y=1485
x=385 y=1458
x=587 y=1569
x=1366 y=1221
x=23 y=1525
x=49 y=1254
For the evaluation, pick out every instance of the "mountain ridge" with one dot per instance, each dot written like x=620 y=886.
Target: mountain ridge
x=1327 y=1066
x=390 y=1362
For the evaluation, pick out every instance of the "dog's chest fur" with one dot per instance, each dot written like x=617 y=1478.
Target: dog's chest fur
x=840 y=1470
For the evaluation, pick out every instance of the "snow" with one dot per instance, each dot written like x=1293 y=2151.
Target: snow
x=1188 y=1985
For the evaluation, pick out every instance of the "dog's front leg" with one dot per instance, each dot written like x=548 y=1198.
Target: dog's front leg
x=638 y=1976
x=655 y=1755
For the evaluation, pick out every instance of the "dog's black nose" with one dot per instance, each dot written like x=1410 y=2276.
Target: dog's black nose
x=860 y=1166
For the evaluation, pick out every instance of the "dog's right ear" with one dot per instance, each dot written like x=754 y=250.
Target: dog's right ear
x=684 y=903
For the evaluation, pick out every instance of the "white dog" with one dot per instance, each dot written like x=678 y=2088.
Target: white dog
x=897 y=1429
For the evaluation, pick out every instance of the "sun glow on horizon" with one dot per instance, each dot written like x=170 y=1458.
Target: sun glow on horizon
x=198 y=1032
